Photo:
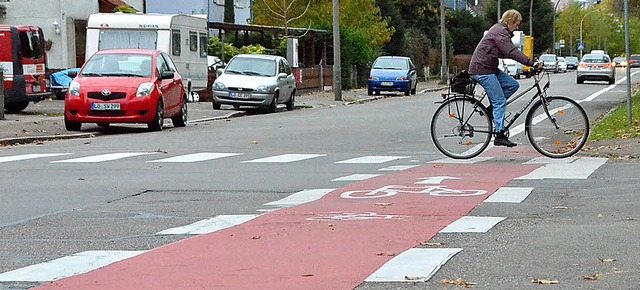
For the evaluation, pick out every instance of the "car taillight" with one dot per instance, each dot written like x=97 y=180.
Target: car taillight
x=582 y=65
x=607 y=65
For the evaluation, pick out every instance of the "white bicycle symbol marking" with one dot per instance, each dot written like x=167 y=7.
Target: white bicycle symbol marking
x=353 y=216
x=391 y=190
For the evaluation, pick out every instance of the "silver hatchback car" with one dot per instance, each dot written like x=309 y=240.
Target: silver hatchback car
x=596 y=67
x=255 y=80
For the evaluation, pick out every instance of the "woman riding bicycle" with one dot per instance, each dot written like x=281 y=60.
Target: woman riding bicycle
x=498 y=85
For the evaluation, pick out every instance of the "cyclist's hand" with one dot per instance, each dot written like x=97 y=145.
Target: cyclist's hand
x=538 y=65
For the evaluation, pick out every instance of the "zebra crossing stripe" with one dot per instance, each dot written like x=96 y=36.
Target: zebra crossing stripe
x=284 y=158
x=300 y=197
x=371 y=159
x=398 y=167
x=29 y=156
x=67 y=266
x=356 y=177
x=413 y=265
x=211 y=225
x=101 y=157
x=196 y=157
x=510 y=194
x=568 y=168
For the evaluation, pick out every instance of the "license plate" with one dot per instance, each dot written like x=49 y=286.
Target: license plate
x=387 y=83
x=36 y=88
x=237 y=95
x=105 y=106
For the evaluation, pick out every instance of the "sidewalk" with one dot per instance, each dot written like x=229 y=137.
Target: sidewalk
x=44 y=120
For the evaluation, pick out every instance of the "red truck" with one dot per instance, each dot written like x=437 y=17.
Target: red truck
x=24 y=64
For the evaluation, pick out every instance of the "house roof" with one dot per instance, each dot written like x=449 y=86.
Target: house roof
x=117 y=3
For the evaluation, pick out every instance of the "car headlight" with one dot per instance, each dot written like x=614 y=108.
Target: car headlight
x=145 y=89
x=262 y=89
x=219 y=86
x=74 y=89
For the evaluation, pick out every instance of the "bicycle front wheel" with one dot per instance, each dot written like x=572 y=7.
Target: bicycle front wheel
x=461 y=128
x=557 y=127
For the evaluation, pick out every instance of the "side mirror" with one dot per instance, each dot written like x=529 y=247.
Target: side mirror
x=282 y=75
x=72 y=74
x=219 y=72
x=167 y=75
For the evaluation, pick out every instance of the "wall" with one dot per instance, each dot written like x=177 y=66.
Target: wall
x=216 y=8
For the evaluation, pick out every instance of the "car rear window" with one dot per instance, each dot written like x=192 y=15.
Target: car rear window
x=635 y=56
x=547 y=58
x=596 y=59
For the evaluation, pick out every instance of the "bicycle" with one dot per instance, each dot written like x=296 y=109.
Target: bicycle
x=556 y=126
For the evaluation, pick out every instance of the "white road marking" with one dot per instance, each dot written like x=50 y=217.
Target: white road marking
x=434 y=179
x=567 y=168
x=284 y=158
x=356 y=177
x=472 y=224
x=371 y=159
x=67 y=266
x=461 y=161
x=300 y=197
x=29 y=156
x=419 y=264
x=210 y=225
x=510 y=194
x=196 y=157
x=398 y=167
x=102 y=157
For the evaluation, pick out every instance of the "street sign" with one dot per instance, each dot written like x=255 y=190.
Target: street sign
x=580 y=46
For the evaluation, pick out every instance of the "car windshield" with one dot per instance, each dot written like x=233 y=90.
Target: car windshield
x=595 y=59
x=634 y=57
x=547 y=58
x=572 y=59
x=561 y=59
x=252 y=66
x=391 y=63
x=120 y=65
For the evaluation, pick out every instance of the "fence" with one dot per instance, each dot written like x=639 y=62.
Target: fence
x=312 y=77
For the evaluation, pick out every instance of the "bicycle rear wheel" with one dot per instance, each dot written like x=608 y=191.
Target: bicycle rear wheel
x=564 y=134
x=461 y=128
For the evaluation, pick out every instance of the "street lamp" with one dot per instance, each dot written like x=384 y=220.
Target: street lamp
x=581 y=40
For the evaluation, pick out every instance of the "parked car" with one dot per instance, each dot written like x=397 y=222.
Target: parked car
x=562 y=64
x=255 y=80
x=619 y=61
x=634 y=60
x=392 y=73
x=572 y=62
x=126 y=86
x=59 y=82
x=511 y=67
x=596 y=67
x=550 y=62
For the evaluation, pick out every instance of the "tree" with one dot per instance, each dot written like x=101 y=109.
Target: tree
x=229 y=11
x=284 y=12
x=398 y=42
x=465 y=30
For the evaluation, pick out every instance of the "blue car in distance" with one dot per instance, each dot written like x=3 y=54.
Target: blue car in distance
x=392 y=73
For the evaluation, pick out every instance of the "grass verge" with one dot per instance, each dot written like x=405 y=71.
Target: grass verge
x=616 y=125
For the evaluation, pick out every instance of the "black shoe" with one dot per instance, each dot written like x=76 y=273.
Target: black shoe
x=502 y=140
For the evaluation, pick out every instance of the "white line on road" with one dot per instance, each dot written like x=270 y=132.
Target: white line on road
x=29 y=156
x=102 y=157
x=301 y=197
x=472 y=224
x=196 y=157
x=284 y=158
x=210 y=225
x=418 y=264
x=371 y=159
x=356 y=177
x=567 y=168
x=510 y=194
x=461 y=161
x=67 y=266
x=398 y=167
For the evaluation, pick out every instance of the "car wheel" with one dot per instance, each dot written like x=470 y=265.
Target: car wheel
x=103 y=124
x=60 y=95
x=181 y=120
x=156 y=124
x=273 y=107
x=413 y=91
x=407 y=92
x=216 y=106
x=369 y=92
x=236 y=106
x=71 y=125
x=611 y=81
x=579 y=81
x=15 y=108
x=291 y=102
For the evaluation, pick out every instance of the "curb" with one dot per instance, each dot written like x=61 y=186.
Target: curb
x=27 y=140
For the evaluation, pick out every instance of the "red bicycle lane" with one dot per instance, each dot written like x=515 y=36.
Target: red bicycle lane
x=331 y=243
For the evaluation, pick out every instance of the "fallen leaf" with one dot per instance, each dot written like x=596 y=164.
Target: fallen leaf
x=438 y=166
x=307 y=275
x=457 y=282
x=386 y=254
x=254 y=142
x=161 y=151
x=414 y=278
x=80 y=178
x=255 y=238
x=383 y=203
x=544 y=281
x=559 y=207
x=607 y=260
x=432 y=244
x=599 y=215
x=592 y=277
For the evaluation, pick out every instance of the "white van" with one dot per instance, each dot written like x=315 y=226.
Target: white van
x=184 y=37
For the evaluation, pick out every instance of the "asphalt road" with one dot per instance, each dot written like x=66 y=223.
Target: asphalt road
x=62 y=204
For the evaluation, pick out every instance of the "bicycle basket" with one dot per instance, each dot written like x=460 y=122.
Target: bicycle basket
x=462 y=83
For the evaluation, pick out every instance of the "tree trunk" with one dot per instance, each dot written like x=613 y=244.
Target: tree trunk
x=229 y=12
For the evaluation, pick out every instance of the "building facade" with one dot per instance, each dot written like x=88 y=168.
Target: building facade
x=215 y=8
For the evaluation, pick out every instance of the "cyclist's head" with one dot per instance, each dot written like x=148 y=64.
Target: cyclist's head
x=512 y=19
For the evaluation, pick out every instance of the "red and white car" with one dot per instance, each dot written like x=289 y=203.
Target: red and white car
x=126 y=86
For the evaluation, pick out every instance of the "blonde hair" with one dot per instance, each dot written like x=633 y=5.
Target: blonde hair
x=510 y=16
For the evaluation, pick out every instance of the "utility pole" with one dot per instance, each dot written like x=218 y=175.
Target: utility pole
x=628 y=52
x=531 y=18
x=337 y=74
x=443 y=46
x=498 y=12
